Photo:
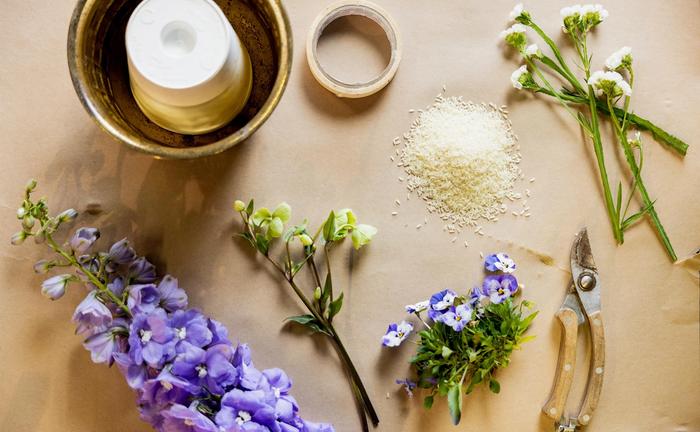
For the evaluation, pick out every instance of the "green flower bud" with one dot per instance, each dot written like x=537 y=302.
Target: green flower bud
x=67 y=216
x=18 y=238
x=28 y=222
x=306 y=240
x=238 y=206
x=317 y=293
x=31 y=185
x=21 y=212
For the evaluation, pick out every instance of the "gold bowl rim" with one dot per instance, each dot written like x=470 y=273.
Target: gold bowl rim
x=166 y=152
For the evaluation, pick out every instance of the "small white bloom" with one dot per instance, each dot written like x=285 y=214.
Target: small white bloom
x=515 y=28
x=602 y=80
x=570 y=11
x=517 y=10
x=504 y=263
x=625 y=87
x=616 y=59
x=532 y=50
x=418 y=307
x=447 y=301
x=515 y=77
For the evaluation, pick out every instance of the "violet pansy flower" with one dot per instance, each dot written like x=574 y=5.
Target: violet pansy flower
x=458 y=317
x=440 y=302
x=91 y=314
x=408 y=385
x=83 y=239
x=500 y=287
x=499 y=262
x=397 y=333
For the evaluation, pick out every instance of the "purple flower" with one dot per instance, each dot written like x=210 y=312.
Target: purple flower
x=91 y=314
x=172 y=297
x=440 y=302
x=54 y=287
x=83 y=239
x=278 y=384
x=120 y=253
x=141 y=271
x=476 y=296
x=499 y=262
x=158 y=394
x=135 y=374
x=143 y=298
x=211 y=368
x=458 y=317
x=191 y=326
x=116 y=286
x=218 y=331
x=179 y=418
x=246 y=411
x=408 y=385
x=397 y=333
x=500 y=287
x=103 y=345
x=151 y=341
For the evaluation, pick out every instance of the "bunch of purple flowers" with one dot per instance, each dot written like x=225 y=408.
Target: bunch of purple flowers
x=187 y=374
x=466 y=338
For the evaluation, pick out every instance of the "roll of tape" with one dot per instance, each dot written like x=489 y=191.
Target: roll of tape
x=359 y=8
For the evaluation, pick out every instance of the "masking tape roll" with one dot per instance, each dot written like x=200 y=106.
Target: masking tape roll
x=359 y=8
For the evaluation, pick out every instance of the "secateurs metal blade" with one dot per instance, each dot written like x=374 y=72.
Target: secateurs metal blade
x=581 y=305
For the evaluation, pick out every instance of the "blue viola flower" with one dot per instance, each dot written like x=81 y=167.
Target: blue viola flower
x=440 y=302
x=458 y=317
x=246 y=411
x=143 y=298
x=180 y=418
x=191 y=326
x=91 y=315
x=397 y=333
x=500 y=287
x=499 y=262
x=172 y=297
x=476 y=296
x=151 y=340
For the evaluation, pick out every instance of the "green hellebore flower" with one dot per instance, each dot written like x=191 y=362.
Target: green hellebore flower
x=276 y=227
x=362 y=235
x=283 y=212
x=306 y=240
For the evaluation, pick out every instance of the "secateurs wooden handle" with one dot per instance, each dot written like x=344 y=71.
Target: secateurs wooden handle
x=581 y=305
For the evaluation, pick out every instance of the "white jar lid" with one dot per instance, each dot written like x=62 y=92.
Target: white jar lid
x=178 y=49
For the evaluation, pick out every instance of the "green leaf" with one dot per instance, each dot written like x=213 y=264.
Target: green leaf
x=262 y=244
x=446 y=351
x=494 y=386
x=301 y=319
x=428 y=401
x=251 y=207
x=283 y=211
x=329 y=227
x=619 y=199
x=362 y=234
x=335 y=306
x=454 y=402
x=637 y=216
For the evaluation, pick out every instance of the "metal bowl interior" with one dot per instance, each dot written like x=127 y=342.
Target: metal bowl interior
x=98 y=68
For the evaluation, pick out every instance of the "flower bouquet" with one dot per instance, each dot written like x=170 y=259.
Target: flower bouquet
x=466 y=339
x=600 y=92
x=187 y=374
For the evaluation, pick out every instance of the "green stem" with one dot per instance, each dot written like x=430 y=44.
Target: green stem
x=95 y=281
x=567 y=72
x=629 y=156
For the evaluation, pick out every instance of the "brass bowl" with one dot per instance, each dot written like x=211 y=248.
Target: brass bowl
x=98 y=68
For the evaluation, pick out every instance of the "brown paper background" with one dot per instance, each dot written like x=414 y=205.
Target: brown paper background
x=319 y=152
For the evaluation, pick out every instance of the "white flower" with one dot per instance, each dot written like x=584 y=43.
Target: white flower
x=570 y=11
x=591 y=10
x=515 y=28
x=610 y=83
x=517 y=10
x=397 y=333
x=532 y=50
x=635 y=139
x=617 y=58
x=515 y=77
x=504 y=263
x=447 y=301
x=418 y=307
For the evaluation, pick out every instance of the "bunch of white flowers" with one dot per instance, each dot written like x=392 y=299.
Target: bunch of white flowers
x=620 y=59
x=515 y=36
x=582 y=18
x=609 y=83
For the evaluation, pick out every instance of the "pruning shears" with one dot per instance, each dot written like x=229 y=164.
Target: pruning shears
x=581 y=305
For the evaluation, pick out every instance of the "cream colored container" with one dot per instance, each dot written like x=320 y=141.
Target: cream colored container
x=188 y=70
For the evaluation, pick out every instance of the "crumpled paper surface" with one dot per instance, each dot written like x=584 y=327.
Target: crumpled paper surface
x=319 y=152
